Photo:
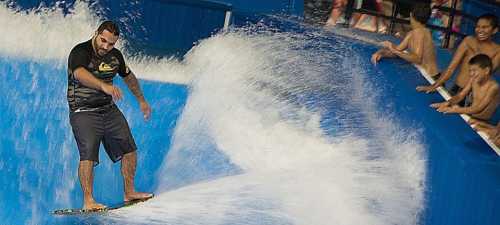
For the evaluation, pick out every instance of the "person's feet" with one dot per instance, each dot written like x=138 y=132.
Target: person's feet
x=92 y=205
x=137 y=196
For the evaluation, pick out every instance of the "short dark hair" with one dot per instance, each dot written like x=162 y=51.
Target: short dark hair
x=490 y=17
x=421 y=12
x=109 y=26
x=482 y=60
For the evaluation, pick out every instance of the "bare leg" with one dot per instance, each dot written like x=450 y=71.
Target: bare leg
x=129 y=163
x=86 y=175
x=337 y=9
x=334 y=16
x=355 y=19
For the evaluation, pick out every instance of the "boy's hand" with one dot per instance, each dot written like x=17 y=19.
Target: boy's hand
x=440 y=104
x=388 y=44
x=443 y=109
x=449 y=109
x=375 y=58
x=427 y=89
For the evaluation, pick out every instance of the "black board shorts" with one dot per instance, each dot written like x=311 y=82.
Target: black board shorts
x=106 y=125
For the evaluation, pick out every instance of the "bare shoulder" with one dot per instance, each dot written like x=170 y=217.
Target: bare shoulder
x=470 y=39
x=493 y=85
x=470 y=42
x=496 y=47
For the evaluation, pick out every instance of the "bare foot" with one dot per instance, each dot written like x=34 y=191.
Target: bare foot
x=92 y=205
x=137 y=196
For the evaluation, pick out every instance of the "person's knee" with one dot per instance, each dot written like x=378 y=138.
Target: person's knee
x=130 y=154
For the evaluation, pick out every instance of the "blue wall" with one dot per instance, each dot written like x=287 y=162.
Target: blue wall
x=294 y=7
x=171 y=27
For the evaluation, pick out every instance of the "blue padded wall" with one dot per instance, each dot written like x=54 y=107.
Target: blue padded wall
x=157 y=27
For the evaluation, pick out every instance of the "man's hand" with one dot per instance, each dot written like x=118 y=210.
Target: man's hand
x=376 y=57
x=115 y=92
x=427 y=89
x=146 y=110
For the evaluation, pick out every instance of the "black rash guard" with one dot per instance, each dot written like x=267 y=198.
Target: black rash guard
x=104 y=68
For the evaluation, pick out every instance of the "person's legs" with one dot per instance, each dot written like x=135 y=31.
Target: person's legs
x=129 y=162
x=337 y=10
x=120 y=145
x=86 y=176
x=88 y=131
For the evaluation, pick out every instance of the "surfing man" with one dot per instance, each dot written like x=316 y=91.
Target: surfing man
x=481 y=43
x=95 y=118
x=481 y=92
x=418 y=42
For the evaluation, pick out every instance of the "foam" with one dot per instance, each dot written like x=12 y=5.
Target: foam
x=294 y=171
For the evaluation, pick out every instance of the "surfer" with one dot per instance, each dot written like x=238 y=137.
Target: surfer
x=95 y=118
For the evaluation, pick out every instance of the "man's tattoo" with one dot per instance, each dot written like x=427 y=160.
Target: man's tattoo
x=133 y=85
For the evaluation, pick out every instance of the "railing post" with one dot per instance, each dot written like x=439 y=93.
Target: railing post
x=348 y=12
x=394 y=14
x=227 y=20
x=449 y=29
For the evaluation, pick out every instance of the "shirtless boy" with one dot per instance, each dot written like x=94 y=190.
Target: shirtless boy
x=481 y=91
x=418 y=42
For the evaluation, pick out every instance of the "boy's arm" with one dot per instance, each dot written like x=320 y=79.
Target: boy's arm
x=414 y=56
x=457 y=59
x=404 y=44
x=447 y=105
x=478 y=107
x=461 y=95
x=382 y=53
x=386 y=52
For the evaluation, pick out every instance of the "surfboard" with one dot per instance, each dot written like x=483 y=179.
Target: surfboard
x=76 y=212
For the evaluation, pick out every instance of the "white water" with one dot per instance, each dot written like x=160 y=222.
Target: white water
x=288 y=171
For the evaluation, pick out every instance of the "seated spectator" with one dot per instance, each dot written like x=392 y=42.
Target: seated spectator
x=338 y=7
x=480 y=93
x=418 y=42
x=493 y=132
x=481 y=43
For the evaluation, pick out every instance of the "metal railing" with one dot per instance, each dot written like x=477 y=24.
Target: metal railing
x=448 y=31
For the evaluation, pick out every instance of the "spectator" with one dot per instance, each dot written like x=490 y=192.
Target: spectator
x=480 y=93
x=418 y=42
x=481 y=43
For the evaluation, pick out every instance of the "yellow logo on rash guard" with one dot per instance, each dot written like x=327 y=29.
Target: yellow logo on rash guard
x=105 y=68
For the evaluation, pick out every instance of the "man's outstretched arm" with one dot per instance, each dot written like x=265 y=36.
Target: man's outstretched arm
x=135 y=88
